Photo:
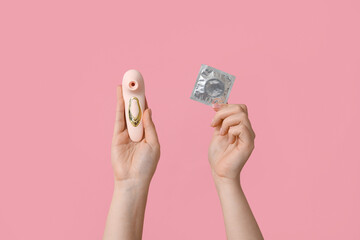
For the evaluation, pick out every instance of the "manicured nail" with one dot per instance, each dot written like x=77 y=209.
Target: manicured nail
x=150 y=112
x=212 y=122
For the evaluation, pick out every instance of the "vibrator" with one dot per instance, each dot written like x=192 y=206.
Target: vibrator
x=134 y=99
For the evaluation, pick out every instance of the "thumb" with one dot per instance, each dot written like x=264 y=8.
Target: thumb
x=149 y=127
x=217 y=106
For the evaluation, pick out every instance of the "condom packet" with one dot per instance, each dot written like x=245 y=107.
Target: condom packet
x=212 y=86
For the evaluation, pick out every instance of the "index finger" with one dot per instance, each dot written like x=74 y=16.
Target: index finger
x=224 y=111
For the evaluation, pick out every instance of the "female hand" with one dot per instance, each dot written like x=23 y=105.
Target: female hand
x=232 y=142
x=230 y=148
x=134 y=160
x=134 y=165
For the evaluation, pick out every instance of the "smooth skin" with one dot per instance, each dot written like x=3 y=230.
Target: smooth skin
x=134 y=165
x=231 y=146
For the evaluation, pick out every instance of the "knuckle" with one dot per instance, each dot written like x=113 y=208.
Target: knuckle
x=231 y=131
x=243 y=127
x=250 y=145
x=238 y=108
x=244 y=107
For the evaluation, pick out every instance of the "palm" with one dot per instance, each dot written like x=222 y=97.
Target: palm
x=134 y=160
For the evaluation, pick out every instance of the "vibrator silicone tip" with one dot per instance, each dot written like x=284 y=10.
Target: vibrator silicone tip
x=134 y=99
x=133 y=80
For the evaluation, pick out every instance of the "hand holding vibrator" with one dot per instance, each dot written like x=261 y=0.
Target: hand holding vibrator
x=134 y=99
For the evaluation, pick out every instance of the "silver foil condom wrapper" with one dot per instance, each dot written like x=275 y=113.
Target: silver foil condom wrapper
x=212 y=86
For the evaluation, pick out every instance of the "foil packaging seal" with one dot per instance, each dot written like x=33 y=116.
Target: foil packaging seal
x=212 y=86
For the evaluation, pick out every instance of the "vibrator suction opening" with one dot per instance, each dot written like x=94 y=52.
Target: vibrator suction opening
x=133 y=85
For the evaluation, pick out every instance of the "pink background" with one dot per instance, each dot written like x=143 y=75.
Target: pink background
x=297 y=65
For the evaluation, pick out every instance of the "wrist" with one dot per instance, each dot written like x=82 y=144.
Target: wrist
x=221 y=181
x=227 y=187
x=132 y=186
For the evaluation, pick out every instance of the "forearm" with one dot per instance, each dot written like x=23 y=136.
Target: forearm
x=240 y=223
x=126 y=215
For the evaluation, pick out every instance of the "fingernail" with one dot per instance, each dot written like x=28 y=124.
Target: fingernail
x=215 y=106
x=222 y=131
x=150 y=111
x=212 y=122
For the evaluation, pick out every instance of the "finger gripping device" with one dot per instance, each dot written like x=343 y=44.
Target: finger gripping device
x=134 y=99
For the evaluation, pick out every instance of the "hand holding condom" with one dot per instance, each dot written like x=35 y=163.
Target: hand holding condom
x=232 y=141
x=233 y=138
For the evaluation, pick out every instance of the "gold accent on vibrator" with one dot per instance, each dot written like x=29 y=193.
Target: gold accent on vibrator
x=135 y=121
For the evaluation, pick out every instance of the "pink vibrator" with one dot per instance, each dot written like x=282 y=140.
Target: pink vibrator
x=134 y=99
